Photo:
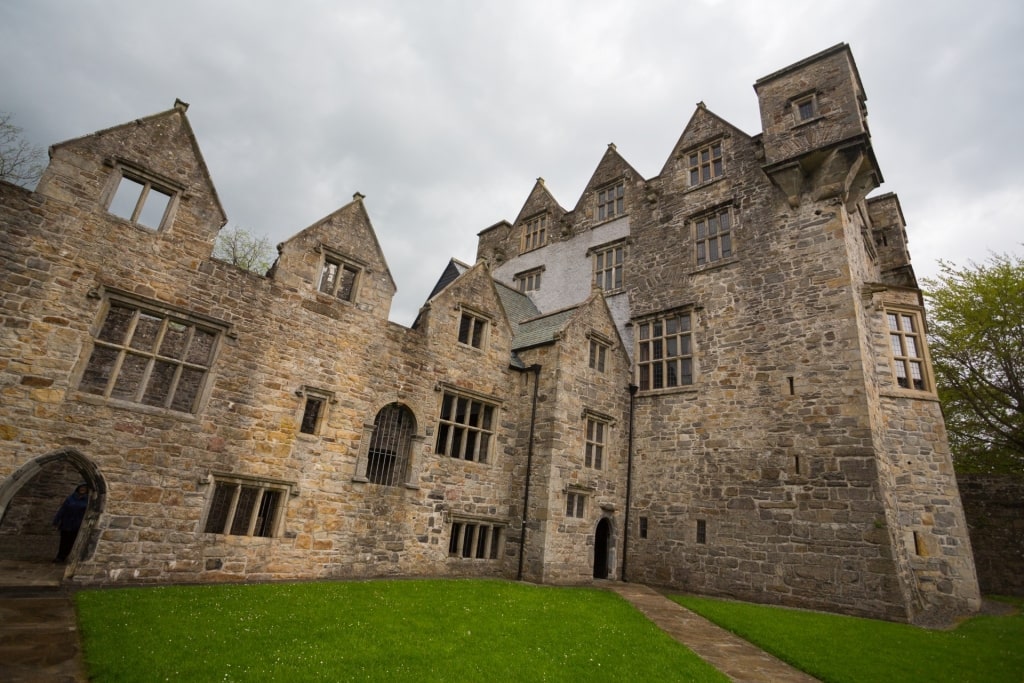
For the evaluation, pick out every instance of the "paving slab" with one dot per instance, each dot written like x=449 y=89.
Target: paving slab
x=736 y=658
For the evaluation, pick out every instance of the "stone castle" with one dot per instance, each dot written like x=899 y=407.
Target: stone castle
x=714 y=380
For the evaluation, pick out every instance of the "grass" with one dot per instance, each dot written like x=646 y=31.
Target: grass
x=839 y=649
x=472 y=630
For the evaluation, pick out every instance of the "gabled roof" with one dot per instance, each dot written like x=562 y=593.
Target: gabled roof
x=179 y=109
x=612 y=166
x=454 y=269
x=688 y=139
x=518 y=306
x=542 y=330
x=539 y=197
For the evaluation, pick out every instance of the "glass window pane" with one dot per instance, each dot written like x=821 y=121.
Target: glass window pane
x=243 y=510
x=217 y=518
x=328 y=277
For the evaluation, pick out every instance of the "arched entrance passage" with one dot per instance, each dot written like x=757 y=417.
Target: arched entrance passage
x=601 y=544
x=30 y=496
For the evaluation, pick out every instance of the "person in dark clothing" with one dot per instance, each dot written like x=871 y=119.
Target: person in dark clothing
x=68 y=520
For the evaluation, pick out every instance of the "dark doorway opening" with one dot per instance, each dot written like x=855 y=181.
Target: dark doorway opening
x=601 y=537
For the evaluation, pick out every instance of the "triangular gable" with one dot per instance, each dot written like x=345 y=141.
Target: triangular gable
x=347 y=231
x=540 y=199
x=150 y=131
x=704 y=125
x=611 y=167
x=474 y=289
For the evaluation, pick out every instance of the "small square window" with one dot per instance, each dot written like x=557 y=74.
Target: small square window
x=339 y=279
x=471 y=330
x=713 y=236
x=805 y=108
x=705 y=164
x=141 y=202
x=611 y=201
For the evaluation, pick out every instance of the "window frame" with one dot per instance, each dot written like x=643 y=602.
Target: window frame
x=703 y=239
x=649 y=355
x=696 y=163
x=797 y=105
x=608 y=263
x=528 y=280
x=905 y=360
x=611 y=200
x=118 y=352
x=486 y=539
x=576 y=504
x=535 y=232
x=597 y=432
x=311 y=396
x=234 y=485
x=599 y=350
x=465 y=440
x=148 y=182
x=337 y=284
x=473 y=329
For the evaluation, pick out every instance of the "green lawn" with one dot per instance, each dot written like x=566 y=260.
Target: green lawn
x=429 y=630
x=838 y=649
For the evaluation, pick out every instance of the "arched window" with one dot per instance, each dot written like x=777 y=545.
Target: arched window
x=389 y=446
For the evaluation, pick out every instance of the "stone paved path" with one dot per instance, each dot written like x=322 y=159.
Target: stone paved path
x=733 y=656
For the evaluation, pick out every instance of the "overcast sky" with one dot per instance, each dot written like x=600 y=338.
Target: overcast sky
x=444 y=113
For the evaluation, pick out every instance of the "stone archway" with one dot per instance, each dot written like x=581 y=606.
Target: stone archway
x=30 y=496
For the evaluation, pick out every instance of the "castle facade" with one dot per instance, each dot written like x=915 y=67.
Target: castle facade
x=714 y=380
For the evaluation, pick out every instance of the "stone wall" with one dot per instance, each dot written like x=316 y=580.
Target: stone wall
x=994 y=506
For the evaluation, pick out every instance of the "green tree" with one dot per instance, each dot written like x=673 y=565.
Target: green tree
x=976 y=336
x=241 y=248
x=21 y=163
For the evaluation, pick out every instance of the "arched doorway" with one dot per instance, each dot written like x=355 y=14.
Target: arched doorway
x=601 y=544
x=30 y=496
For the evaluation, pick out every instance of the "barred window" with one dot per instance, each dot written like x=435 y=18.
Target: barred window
x=594 y=453
x=245 y=509
x=339 y=279
x=471 y=330
x=535 y=233
x=150 y=356
x=390 y=445
x=475 y=540
x=465 y=428
x=713 y=236
x=907 y=346
x=608 y=264
x=665 y=353
x=611 y=201
x=705 y=164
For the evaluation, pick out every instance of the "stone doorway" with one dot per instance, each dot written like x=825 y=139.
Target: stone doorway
x=29 y=498
x=601 y=537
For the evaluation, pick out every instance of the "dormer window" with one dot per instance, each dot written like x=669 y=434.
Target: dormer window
x=705 y=164
x=535 y=233
x=339 y=278
x=611 y=201
x=141 y=200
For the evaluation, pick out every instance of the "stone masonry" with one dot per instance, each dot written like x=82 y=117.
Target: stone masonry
x=713 y=380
